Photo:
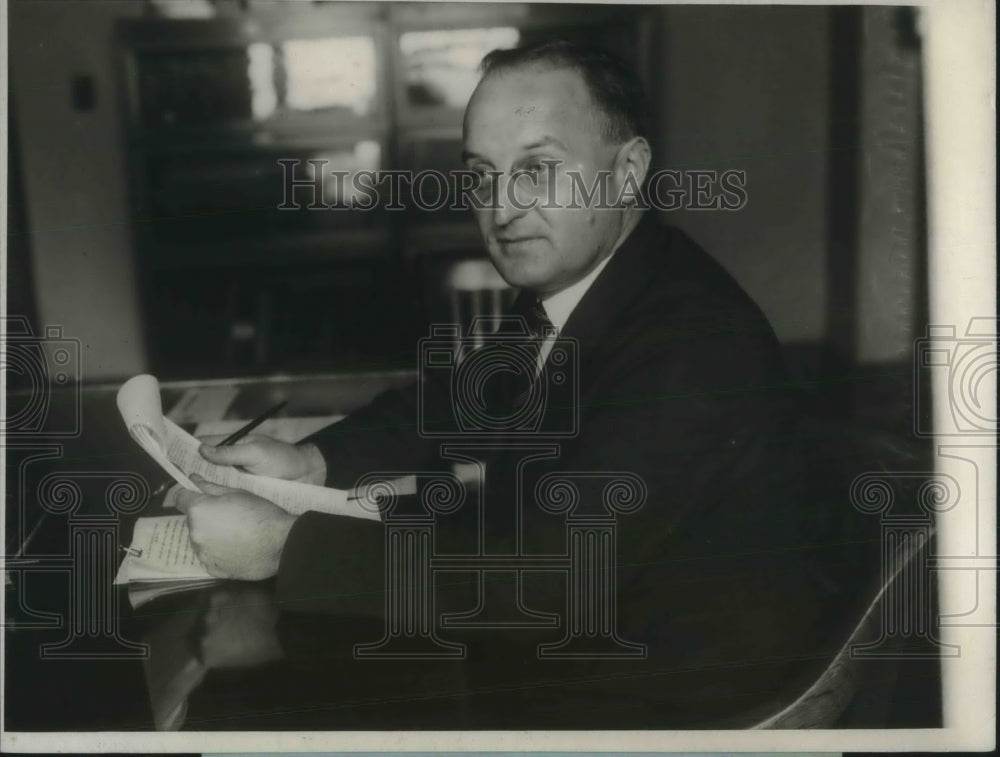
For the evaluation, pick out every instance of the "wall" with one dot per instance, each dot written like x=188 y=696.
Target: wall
x=74 y=176
x=747 y=88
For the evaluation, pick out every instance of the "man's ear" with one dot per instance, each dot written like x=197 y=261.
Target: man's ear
x=630 y=168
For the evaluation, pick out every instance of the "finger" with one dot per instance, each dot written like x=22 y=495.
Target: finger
x=245 y=452
x=212 y=439
x=213 y=568
x=185 y=498
x=205 y=559
x=209 y=487
x=170 y=499
x=216 y=570
x=216 y=439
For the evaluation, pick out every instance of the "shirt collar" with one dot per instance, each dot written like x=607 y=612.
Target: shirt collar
x=560 y=305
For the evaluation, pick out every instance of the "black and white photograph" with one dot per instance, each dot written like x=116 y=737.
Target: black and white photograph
x=498 y=376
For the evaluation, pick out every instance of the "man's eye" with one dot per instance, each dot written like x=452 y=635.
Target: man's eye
x=484 y=181
x=540 y=168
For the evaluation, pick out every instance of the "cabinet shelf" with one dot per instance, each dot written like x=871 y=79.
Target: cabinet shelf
x=350 y=246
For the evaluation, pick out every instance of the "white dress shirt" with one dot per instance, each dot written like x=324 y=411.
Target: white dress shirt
x=560 y=305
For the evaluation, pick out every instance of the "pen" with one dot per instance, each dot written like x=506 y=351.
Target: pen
x=236 y=436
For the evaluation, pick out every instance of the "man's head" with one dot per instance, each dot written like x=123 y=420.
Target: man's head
x=555 y=118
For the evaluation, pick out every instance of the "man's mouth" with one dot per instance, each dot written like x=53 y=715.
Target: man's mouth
x=516 y=240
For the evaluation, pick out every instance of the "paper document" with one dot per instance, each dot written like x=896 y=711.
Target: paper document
x=161 y=551
x=139 y=404
x=293 y=496
x=289 y=430
x=177 y=451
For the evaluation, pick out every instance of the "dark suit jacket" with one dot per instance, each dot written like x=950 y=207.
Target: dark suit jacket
x=682 y=383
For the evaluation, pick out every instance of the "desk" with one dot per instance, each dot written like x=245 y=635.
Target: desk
x=73 y=467
x=227 y=657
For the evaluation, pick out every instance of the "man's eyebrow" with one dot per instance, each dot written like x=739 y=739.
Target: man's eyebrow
x=468 y=155
x=546 y=141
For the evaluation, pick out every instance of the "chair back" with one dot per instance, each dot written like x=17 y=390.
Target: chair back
x=839 y=453
x=827 y=699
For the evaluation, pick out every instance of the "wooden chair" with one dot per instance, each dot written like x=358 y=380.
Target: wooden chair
x=824 y=703
x=843 y=453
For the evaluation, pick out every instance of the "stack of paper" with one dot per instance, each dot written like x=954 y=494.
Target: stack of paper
x=161 y=551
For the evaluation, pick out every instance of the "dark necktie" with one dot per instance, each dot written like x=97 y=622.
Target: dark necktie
x=539 y=328
x=504 y=372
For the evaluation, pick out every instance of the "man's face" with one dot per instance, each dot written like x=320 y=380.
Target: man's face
x=517 y=122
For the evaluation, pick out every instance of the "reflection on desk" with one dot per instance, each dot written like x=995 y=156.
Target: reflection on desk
x=232 y=625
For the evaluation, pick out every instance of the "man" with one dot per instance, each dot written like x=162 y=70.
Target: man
x=680 y=384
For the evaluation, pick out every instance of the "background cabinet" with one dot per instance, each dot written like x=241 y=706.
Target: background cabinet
x=224 y=113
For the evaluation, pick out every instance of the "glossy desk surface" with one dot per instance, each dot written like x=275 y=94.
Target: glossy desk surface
x=224 y=645
x=226 y=657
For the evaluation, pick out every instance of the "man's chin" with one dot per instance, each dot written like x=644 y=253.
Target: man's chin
x=522 y=271
x=520 y=278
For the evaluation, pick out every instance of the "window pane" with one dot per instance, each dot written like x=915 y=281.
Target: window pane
x=263 y=97
x=333 y=72
x=441 y=66
x=338 y=169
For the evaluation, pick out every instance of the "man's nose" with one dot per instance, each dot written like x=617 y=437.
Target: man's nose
x=509 y=204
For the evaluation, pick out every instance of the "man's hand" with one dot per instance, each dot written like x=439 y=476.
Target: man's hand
x=265 y=456
x=234 y=533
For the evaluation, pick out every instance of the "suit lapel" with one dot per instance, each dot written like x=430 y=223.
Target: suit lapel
x=595 y=317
